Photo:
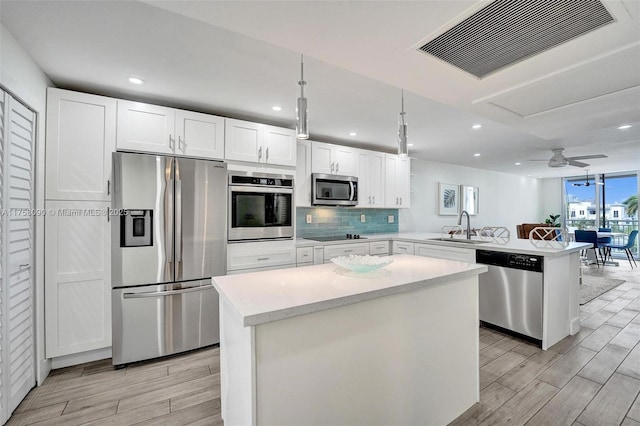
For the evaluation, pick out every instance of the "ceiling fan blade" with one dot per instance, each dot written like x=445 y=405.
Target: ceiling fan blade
x=539 y=160
x=577 y=163
x=587 y=157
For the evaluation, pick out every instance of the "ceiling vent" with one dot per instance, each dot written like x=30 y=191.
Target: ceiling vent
x=507 y=31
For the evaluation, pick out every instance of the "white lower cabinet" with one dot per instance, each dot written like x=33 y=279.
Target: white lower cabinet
x=379 y=248
x=304 y=256
x=449 y=253
x=77 y=277
x=335 y=250
x=403 y=247
x=260 y=254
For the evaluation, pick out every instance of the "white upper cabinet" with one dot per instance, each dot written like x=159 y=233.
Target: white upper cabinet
x=81 y=135
x=371 y=166
x=199 y=135
x=397 y=191
x=303 y=174
x=259 y=143
x=144 y=127
x=162 y=130
x=334 y=159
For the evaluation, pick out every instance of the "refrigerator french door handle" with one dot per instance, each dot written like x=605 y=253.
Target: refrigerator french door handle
x=178 y=223
x=168 y=231
x=166 y=293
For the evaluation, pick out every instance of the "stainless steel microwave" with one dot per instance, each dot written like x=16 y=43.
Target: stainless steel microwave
x=334 y=190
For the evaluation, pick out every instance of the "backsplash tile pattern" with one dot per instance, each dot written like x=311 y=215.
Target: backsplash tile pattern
x=332 y=221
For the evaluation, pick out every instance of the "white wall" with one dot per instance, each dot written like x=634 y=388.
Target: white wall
x=21 y=76
x=505 y=200
x=551 y=198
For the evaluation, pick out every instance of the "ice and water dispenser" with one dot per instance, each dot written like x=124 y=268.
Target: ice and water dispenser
x=136 y=228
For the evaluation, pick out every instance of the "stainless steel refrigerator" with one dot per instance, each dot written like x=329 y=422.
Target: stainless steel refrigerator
x=167 y=241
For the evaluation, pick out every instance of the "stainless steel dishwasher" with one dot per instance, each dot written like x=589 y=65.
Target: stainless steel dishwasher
x=510 y=292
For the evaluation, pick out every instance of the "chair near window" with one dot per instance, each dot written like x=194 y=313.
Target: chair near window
x=627 y=247
x=589 y=237
x=604 y=242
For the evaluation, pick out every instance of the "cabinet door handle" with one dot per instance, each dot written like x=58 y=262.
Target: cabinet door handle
x=348 y=251
x=332 y=166
x=24 y=265
x=266 y=157
x=108 y=187
x=337 y=167
x=369 y=199
x=259 y=153
x=396 y=200
x=263 y=258
x=400 y=200
x=374 y=199
x=171 y=141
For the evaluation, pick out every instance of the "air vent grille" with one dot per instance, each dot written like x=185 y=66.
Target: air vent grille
x=507 y=31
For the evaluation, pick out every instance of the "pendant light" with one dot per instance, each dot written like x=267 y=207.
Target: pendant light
x=302 y=113
x=403 y=148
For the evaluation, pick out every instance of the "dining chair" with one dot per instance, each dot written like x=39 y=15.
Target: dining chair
x=627 y=247
x=589 y=237
x=603 y=242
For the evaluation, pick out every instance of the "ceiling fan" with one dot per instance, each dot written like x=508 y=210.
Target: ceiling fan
x=559 y=160
x=587 y=183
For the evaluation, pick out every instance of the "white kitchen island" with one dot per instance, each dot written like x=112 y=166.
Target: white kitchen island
x=320 y=345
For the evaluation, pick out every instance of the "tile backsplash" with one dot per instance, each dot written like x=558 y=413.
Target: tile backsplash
x=332 y=221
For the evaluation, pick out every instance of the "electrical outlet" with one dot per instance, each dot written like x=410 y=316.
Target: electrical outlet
x=308 y=218
x=362 y=218
x=391 y=219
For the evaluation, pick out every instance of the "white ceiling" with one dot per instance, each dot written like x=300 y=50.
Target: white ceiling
x=239 y=58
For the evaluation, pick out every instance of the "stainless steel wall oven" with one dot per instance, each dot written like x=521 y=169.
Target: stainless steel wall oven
x=261 y=207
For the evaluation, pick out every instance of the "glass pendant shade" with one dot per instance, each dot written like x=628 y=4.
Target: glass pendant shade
x=403 y=148
x=302 y=119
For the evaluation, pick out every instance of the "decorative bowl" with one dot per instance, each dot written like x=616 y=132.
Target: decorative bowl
x=358 y=263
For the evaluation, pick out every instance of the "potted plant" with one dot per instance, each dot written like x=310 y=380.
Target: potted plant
x=551 y=220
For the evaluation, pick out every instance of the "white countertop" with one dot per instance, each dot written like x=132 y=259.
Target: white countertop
x=512 y=245
x=262 y=297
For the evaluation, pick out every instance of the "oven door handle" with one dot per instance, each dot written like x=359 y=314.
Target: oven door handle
x=261 y=189
x=166 y=293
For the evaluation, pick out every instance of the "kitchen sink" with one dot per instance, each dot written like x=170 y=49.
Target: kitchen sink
x=457 y=240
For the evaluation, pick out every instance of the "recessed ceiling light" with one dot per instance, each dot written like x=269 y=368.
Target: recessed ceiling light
x=353 y=134
x=135 y=80
x=517 y=164
x=276 y=108
x=529 y=175
x=476 y=126
x=624 y=126
x=477 y=154
x=409 y=144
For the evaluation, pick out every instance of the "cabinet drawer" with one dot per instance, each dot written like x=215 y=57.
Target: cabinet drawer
x=401 y=247
x=379 y=247
x=450 y=253
x=336 y=250
x=304 y=255
x=260 y=255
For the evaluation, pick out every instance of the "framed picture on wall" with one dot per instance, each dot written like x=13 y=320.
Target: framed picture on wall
x=448 y=199
x=469 y=200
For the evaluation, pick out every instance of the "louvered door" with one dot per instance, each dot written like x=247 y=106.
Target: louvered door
x=4 y=412
x=17 y=317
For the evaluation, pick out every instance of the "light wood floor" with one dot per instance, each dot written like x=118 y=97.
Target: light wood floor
x=592 y=378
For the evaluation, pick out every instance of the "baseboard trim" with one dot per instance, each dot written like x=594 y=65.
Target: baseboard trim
x=80 y=358
x=574 y=326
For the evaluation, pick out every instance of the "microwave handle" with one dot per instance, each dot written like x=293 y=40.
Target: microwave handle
x=352 y=191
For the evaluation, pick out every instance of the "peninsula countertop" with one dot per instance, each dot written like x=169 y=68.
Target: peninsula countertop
x=266 y=296
x=510 y=245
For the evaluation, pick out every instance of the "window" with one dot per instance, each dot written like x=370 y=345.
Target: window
x=581 y=212
x=573 y=213
x=616 y=214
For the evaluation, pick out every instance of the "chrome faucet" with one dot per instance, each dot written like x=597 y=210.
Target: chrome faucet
x=468 y=223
